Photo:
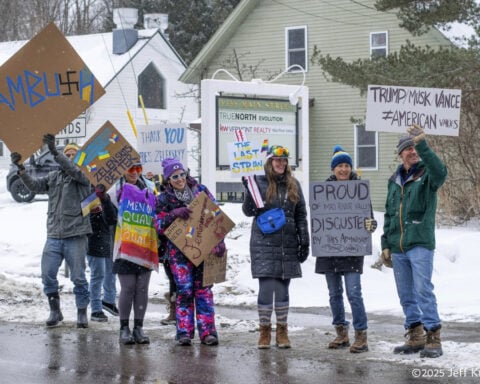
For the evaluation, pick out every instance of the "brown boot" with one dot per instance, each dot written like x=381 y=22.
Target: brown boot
x=341 y=341
x=433 y=346
x=415 y=341
x=360 y=345
x=282 y=336
x=265 y=336
x=171 y=319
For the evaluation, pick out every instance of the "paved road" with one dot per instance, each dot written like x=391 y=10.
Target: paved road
x=30 y=353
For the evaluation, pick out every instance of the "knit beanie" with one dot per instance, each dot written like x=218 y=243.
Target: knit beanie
x=71 y=146
x=403 y=143
x=171 y=165
x=339 y=157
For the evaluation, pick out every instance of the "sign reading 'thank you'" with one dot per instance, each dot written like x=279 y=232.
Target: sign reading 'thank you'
x=393 y=109
x=338 y=210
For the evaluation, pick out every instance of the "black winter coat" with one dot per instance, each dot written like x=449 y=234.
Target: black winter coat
x=276 y=255
x=339 y=264
x=100 y=242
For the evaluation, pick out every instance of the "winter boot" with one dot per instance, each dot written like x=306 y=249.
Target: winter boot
x=415 y=341
x=55 y=312
x=126 y=337
x=360 y=345
x=341 y=341
x=139 y=336
x=82 y=321
x=281 y=336
x=265 y=336
x=171 y=319
x=433 y=346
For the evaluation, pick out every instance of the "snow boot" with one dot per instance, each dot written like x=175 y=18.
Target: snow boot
x=415 y=340
x=360 y=345
x=265 y=336
x=171 y=319
x=82 y=321
x=139 y=336
x=281 y=336
x=341 y=341
x=126 y=337
x=433 y=346
x=55 y=312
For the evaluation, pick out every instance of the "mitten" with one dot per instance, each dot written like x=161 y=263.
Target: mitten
x=416 y=133
x=100 y=192
x=302 y=253
x=386 y=257
x=370 y=224
x=15 y=157
x=219 y=249
x=182 y=212
x=49 y=139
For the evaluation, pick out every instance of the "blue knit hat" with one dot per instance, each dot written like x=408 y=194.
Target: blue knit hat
x=340 y=156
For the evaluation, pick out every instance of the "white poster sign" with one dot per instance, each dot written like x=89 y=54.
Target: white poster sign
x=393 y=109
x=159 y=141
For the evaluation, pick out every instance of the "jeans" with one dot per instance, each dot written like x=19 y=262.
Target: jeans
x=354 y=294
x=98 y=277
x=413 y=276
x=73 y=250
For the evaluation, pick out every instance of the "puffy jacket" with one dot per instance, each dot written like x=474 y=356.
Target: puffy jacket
x=275 y=254
x=66 y=188
x=100 y=243
x=410 y=209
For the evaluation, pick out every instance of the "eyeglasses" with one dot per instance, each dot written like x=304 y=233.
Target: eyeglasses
x=135 y=168
x=279 y=151
x=183 y=175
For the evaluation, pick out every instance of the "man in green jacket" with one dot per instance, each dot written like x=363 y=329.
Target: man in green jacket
x=408 y=240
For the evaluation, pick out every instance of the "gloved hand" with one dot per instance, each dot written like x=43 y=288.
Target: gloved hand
x=386 y=257
x=182 y=212
x=302 y=253
x=370 y=224
x=15 y=157
x=245 y=182
x=219 y=249
x=416 y=133
x=100 y=192
x=49 y=139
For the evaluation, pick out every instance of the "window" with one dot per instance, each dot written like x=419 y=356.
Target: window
x=366 y=144
x=296 y=47
x=152 y=88
x=378 y=44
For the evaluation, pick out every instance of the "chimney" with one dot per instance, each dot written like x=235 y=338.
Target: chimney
x=125 y=36
x=156 y=20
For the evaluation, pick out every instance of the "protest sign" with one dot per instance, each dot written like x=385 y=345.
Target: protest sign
x=43 y=87
x=214 y=269
x=204 y=229
x=338 y=210
x=106 y=156
x=393 y=109
x=246 y=159
x=159 y=141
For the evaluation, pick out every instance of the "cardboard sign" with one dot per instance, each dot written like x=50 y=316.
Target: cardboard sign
x=43 y=87
x=106 y=156
x=338 y=210
x=394 y=109
x=214 y=269
x=204 y=229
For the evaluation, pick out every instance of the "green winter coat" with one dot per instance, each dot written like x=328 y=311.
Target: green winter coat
x=410 y=209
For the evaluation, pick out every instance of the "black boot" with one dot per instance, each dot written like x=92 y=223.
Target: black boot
x=139 y=336
x=126 y=336
x=55 y=313
x=82 y=321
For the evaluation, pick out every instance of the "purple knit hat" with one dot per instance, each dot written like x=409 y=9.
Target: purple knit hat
x=171 y=165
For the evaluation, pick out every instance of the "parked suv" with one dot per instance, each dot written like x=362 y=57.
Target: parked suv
x=39 y=165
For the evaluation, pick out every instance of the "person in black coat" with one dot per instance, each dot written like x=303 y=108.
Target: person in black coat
x=276 y=257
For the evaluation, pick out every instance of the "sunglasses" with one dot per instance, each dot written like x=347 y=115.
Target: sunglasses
x=183 y=175
x=135 y=168
x=280 y=152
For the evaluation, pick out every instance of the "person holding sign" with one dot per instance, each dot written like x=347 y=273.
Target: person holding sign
x=276 y=257
x=408 y=240
x=348 y=267
x=172 y=204
x=67 y=228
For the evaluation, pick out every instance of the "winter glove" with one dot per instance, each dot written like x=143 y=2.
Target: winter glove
x=370 y=224
x=100 y=192
x=15 y=157
x=219 y=249
x=386 y=257
x=49 y=139
x=302 y=253
x=182 y=212
x=416 y=133
x=245 y=182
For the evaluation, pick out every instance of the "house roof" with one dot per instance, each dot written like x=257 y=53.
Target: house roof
x=96 y=51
